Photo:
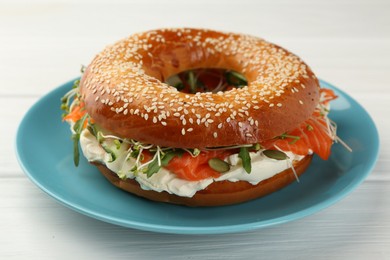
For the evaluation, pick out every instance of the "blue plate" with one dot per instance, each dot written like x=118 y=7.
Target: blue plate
x=44 y=150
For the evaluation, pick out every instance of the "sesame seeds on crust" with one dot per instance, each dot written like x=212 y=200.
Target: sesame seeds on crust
x=125 y=92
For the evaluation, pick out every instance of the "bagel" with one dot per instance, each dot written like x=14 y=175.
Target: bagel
x=124 y=90
x=205 y=148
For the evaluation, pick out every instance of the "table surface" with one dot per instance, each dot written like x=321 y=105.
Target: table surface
x=43 y=45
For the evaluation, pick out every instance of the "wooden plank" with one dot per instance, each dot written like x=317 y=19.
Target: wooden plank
x=37 y=225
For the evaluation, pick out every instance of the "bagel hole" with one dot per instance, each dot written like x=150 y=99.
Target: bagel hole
x=206 y=80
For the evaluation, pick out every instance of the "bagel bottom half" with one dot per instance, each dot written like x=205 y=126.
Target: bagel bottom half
x=216 y=194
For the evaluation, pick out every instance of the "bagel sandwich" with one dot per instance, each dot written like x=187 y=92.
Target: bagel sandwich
x=199 y=117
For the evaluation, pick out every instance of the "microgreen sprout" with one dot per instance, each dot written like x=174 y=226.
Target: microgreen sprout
x=246 y=159
x=69 y=98
x=285 y=135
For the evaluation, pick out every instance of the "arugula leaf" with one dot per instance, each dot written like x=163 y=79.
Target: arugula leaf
x=246 y=159
x=153 y=168
x=77 y=127
x=76 y=153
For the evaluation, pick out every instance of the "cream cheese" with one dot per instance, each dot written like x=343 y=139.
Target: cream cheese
x=262 y=168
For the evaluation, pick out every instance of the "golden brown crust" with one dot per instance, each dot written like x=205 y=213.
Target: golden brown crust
x=123 y=90
x=217 y=193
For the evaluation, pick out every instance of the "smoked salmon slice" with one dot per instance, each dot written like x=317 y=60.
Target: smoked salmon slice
x=314 y=134
x=311 y=135
x=196 y=168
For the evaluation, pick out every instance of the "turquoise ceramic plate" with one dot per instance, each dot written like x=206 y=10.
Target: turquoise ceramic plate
x=44 y=150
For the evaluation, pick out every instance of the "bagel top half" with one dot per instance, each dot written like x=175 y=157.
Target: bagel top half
x=124 y=90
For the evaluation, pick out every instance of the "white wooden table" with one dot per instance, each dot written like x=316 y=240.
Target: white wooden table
x=43 y=44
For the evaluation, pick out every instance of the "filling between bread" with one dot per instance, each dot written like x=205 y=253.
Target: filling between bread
x=262 y=168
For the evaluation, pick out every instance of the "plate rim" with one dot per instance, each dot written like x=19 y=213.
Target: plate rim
x=232 y=228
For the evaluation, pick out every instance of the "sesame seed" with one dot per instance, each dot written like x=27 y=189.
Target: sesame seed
x=215 y=134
